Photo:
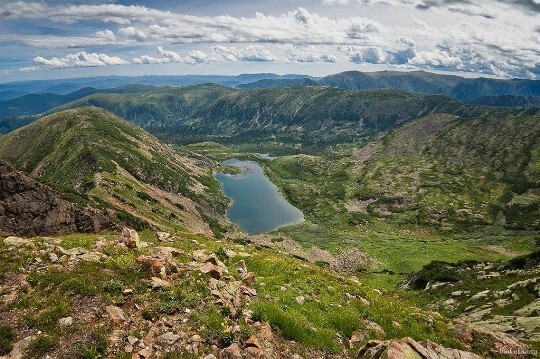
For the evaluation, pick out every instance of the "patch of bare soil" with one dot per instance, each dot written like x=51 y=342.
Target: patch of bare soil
x=347 y=260
x=502 y=250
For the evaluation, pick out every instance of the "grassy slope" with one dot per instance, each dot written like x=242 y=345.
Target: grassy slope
x=439 y=170
x=456 y=173
x=97 y=158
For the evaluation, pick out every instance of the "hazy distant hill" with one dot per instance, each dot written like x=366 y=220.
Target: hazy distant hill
x=281 y=83
x=33 y=104
x=419 y=82
x=9 y=94
x=65 y=86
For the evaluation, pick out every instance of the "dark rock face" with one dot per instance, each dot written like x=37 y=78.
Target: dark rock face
x=29 y=208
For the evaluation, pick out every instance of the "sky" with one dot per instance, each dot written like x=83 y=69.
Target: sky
x=59 y=39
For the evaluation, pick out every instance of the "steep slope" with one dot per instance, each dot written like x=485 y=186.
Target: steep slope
x=299 y=114
x=454 y=173
x=96 y=158
x=29 y=208
x=508 y=101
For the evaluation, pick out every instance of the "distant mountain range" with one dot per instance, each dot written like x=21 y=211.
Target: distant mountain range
x=34 y=104
x=416 y=81
x=64 y=86
x=19 y=102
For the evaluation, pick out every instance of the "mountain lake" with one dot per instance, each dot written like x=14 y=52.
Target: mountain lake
x=257 y=206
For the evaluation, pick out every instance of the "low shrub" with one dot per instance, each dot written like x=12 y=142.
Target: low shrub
x=7 y=337
x=525 y=261
x=436 y=271
x=41 y=346
x=95 y=347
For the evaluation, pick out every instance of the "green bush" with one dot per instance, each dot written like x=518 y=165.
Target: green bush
x=113 y=286
x=525 y=261
x=47 y=319
x=146 y=197
x=518 y=182
x=7 y=337
x=436 y=271
x=41 y=346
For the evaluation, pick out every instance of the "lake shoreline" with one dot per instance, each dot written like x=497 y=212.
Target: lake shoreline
x=257 y=204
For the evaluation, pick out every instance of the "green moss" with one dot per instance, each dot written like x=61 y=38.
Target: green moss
x=48 y=318
x=94 y=347
x=41 y=346
x=7 y=338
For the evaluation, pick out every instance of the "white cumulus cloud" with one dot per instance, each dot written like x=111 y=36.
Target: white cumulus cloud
x=499 y=37
x=80 y=59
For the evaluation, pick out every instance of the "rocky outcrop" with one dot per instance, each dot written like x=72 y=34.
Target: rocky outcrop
x=29 y=208
x=496 y=342
x=409 y=348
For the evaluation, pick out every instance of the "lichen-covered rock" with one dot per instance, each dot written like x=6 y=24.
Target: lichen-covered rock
x=409 y=348
x=116 y=314
x=16 y=242
x=130 y=238
x=163 y=236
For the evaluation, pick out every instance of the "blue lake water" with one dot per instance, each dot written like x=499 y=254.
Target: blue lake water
x=257 y=205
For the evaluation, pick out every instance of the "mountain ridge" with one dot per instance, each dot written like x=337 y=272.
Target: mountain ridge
x=98 y=159
x=302 y=114
x=460 y=88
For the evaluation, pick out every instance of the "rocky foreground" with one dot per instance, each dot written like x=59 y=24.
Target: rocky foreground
x=89 y=296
